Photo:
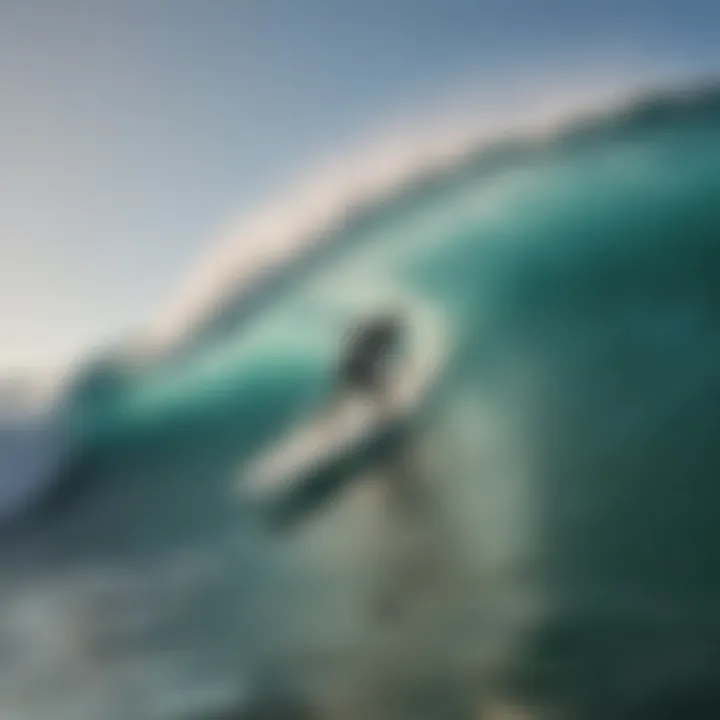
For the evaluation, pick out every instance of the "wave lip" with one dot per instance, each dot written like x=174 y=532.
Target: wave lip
x=318 y=211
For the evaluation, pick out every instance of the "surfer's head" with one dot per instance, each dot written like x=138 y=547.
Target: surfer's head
x=385 y=331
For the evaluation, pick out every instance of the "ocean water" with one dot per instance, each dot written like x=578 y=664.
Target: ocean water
x=570 y=451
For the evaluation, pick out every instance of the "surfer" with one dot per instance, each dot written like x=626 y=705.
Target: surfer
x=407 y=563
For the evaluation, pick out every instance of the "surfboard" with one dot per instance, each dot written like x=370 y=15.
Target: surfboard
x=351 y=423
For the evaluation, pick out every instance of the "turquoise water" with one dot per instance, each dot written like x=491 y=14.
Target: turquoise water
x=573 y=445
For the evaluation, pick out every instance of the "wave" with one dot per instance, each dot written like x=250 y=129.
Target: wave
x=582 y=442
x=254 y=261
x=448 y=227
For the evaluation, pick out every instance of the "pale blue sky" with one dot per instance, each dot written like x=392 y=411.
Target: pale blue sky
x=131 y=130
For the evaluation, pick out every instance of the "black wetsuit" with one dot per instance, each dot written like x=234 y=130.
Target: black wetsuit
x=360 y=368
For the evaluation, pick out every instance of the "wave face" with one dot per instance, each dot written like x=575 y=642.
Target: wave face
x=576 y=436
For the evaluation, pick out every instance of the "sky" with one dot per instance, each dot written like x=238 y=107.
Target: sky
x=132 y=132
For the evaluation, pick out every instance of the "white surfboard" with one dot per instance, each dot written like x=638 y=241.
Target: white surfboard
x=350 y=423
